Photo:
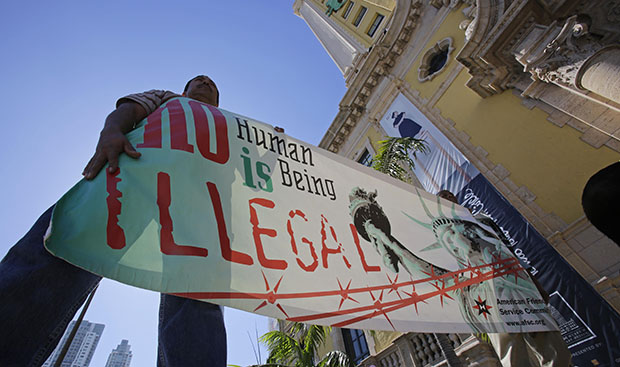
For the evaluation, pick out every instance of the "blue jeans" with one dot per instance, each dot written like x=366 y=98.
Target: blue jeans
x=40 y=294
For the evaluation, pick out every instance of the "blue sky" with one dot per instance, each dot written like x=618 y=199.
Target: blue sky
x=65 y=63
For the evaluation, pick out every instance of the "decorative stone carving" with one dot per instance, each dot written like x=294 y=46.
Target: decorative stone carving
x=468 y=25
x=451 y=4
x=439 y=3
x=613 y=11
x=554 y=54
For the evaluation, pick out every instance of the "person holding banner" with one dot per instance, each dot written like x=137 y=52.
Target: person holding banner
x=41 y=293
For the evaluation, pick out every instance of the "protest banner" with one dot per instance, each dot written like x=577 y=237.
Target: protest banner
x=222 y=208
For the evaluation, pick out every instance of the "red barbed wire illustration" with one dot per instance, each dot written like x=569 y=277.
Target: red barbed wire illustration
x=377 y=307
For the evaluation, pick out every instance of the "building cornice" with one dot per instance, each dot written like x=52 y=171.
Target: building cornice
x=368 y=69
x=498 y=28
x=297 y=6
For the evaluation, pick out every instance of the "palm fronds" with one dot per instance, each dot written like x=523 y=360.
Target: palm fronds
x=283 y=349
x=336 y=358
x=298 y=346
x=395 y=155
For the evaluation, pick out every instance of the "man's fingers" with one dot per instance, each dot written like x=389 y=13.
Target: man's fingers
x=94 y=166
x=112 y=162
x=108 y=152
x=130 y=151
x=87 y=167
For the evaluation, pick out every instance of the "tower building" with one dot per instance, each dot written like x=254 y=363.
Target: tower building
x=121 y=356
x=82 y=347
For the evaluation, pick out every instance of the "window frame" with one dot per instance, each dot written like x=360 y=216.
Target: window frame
x=350 y=344
x=375 y=25
x=365 y=157
x=360 y=16
x=347 y=11
x=443 y=46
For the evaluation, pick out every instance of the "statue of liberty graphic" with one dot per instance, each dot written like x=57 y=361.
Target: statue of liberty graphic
x=477 y=251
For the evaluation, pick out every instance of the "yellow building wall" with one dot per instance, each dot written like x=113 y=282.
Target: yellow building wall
x=326 y=347
x=374 y=135
x=383 y=7
x=550 y=161
x=384 y=339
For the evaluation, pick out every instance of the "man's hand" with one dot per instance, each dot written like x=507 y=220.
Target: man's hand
x=112 y=140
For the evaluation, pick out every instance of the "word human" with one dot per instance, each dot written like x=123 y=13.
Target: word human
x=274 y=143
x=309 y=248
x=301 y=180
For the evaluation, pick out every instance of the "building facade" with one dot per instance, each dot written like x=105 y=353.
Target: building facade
x=120 y=356
x=82 y=347
x=527 y=91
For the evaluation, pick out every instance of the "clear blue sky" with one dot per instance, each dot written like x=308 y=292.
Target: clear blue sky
x=65 y=63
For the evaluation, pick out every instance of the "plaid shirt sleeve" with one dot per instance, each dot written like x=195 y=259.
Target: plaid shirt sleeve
x=149 y=100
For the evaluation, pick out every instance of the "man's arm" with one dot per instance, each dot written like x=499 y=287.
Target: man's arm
x=112 y=140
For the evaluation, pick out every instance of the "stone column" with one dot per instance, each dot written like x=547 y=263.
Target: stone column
x=600 y=73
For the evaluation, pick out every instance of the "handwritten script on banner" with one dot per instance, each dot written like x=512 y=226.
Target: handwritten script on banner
x=224 y=209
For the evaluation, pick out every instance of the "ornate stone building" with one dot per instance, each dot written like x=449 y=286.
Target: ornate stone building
x=527 y=90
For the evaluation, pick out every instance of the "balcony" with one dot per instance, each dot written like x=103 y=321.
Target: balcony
x=422 y=350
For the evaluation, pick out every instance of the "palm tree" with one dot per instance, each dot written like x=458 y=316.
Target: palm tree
x=298 y=346
x=394 y=156
x=394 y=153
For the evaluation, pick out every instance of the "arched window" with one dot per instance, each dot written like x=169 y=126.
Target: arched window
x=435 y=59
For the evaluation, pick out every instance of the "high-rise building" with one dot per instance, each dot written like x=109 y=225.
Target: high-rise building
x=121 y=356
x=82 y=347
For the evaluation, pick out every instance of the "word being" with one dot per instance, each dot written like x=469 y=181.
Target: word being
x=305 y=182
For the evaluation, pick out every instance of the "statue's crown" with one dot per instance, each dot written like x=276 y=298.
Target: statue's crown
x=359 y=198
x=440 y=221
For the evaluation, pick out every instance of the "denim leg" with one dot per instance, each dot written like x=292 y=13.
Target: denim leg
x=39 y=295
x=191 y=333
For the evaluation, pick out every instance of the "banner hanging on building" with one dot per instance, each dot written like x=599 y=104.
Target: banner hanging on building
x=589 y=326
x=224 y=209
